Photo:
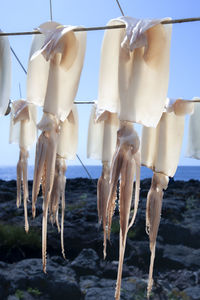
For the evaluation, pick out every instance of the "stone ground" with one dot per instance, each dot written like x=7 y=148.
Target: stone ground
x=84 y=274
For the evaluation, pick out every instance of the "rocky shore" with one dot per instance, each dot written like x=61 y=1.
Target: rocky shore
x=84 y=274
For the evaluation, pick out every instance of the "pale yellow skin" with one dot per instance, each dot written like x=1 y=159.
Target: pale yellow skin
x=44 y=171
x=103 y=186
x=153 y=212
x=22 y=180
x=125 y=163
x=160 y=151
x=23 y=132
x=57 y=196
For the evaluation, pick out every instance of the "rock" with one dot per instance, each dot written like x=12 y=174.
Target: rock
x=109 y=269
x=87 y=282
x=193 y=292
x=178 y=256
x=12 y=297
x=179 y=235
x=59 y=280
x=176 y=269
x=99 y=293
x=86 y=262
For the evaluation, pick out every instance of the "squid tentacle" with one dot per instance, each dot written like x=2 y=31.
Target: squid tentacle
x=125 y=163
x=153 y=213
x=57 y=195
x=25 y=187
x=19 y=181
x=22 y=174
x=126 y=188
x=45 y=170
x=102 y=198
x=137 y=188
x=114 y=177
x=63 y=208
x=41 y=150
x=50 y=165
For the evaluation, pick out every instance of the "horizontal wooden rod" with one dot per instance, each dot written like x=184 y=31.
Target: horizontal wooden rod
x=101 y=27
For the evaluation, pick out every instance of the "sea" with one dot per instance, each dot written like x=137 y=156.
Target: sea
x=184 y=173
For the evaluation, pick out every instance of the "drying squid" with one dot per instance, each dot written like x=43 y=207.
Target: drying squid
x=65 y=51
x=23 y=117
x=160 y=151
x=193 y=144
x=23 y=132
x=128 y=86
x=5 y=74
x=102 y=138
x=125 y=164
x=66 y=150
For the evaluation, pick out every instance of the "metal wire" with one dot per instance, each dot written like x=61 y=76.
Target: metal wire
x=176 y=21
x=50 y=6
x=84 y=102
x=20 y=91
x=86 y=170
x=15 y=55
x=120 y=7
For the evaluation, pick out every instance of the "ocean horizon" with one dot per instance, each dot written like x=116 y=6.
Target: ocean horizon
x=183 y=172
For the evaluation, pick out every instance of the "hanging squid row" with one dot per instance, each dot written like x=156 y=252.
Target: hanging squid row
x=133 y=61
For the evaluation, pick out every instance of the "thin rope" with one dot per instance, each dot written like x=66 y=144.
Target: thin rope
x=50 y=6
x=176 y=21
x=120 y=7
x=77 y=101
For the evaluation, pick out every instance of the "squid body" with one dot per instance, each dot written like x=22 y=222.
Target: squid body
x=5 y=74
x=102 y=138
x=160 y=151
x=66 y=150
x=133 y=61
x=64 y=51
x=193 y=144
x=23 y=132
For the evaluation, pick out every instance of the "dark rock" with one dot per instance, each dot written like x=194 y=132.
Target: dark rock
x=99 y=293
x=86 y=262
x=58 y=281
x=179 y=235
x=193 y=292
x=109 y=270
x=178 y=256
x=176 y=270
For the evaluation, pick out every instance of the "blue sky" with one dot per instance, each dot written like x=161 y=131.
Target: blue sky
x=24 y=15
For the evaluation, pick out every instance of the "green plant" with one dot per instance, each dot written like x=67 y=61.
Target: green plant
x=34 y=291
x=191 y=203
x=83 y=196
x=12 y=235
x=177 y=295
x=115 y=226
x=141 y=293
x=19 y=294
x=77 y=205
